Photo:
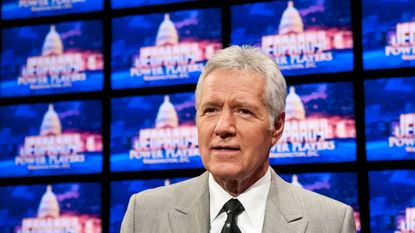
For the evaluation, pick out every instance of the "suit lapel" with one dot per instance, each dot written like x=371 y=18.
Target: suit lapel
x=283 y=212
x=192 y=211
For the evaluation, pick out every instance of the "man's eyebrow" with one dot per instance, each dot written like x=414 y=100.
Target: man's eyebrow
x=246 y=104
x=212 y=102
x=203 y=107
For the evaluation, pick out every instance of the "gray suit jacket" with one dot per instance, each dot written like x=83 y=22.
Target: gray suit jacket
x=184 y=207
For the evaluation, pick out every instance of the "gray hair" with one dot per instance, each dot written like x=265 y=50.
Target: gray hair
x=250 y=59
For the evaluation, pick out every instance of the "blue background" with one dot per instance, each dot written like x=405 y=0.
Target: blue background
x=78 y=199
x=21 y=43
x=117 y=4
x=19 y=121
x=11 y=10
x=130 y=114
x=397 y=95
x=326 y=100
x=390 y=193
x=252 y=21
x=378 y=18
x=133 y=32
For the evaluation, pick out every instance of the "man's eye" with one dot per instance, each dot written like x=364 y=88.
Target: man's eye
x=243 y=111
x=210 y=110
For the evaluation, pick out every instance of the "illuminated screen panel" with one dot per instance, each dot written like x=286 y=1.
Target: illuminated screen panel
x=117 y=4
x=392 y=209
x=51 y=139
x=50 y=59
x=163 y=49
x=305 y=37
x=388 y=38
x=319 y=126
x=119 y=200
x=390 y=119
x=19 y=9
x=154 y=133
x=339 y=186
x=66 y=207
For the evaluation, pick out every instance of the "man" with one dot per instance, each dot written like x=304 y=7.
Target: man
x=240 y=102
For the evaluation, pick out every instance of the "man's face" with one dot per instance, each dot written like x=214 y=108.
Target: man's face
x=233 y=125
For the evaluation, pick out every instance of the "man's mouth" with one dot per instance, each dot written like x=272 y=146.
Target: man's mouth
x=225 y=148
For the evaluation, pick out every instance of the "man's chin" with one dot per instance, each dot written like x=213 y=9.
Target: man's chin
x=226 y=174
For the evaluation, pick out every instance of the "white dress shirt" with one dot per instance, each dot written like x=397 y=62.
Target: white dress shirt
x=253 y=200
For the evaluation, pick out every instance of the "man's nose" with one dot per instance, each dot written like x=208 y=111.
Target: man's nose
x=225 y=127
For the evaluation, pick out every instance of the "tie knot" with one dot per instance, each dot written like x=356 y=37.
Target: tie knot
x=233 y=207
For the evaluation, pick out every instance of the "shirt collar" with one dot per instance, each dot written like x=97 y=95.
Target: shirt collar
x=253 y=199
x=218 y=197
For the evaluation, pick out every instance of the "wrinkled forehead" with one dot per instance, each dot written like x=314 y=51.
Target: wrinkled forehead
x=232 y=83
x=223 y=73
x=245 y=72
x=237 y=76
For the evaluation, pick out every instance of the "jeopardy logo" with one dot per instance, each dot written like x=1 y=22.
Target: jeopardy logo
x=167 y=142
x=308 y=136
x=404 y=133
x=54 y=149
x=55 y=68
x=406 y=224
x=46 y=5
x=169 y=58
x=295 y=48
x=402 y=41
x=49 y=218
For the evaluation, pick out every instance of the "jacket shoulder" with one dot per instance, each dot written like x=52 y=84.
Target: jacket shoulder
x=324 y=213
x=147 y=211
x=311 y=199
x=166 y=195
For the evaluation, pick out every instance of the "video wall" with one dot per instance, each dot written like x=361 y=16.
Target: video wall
x=302 y=37
x=51 y=138
x=101 y=94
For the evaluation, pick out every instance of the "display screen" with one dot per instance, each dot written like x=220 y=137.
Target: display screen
x=119 y=200
x=319 y=125
x=67 y=207
x=19 y=9
x=116 y=4
x=338 y=186
x=388 y=29
x=154 y=133
x=390 y=119
x=392 y=201
x=163 y=49
x=49 y=59
x=51 y=139
x=302 y=37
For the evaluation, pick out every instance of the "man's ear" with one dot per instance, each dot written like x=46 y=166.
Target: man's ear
x=278 y=128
